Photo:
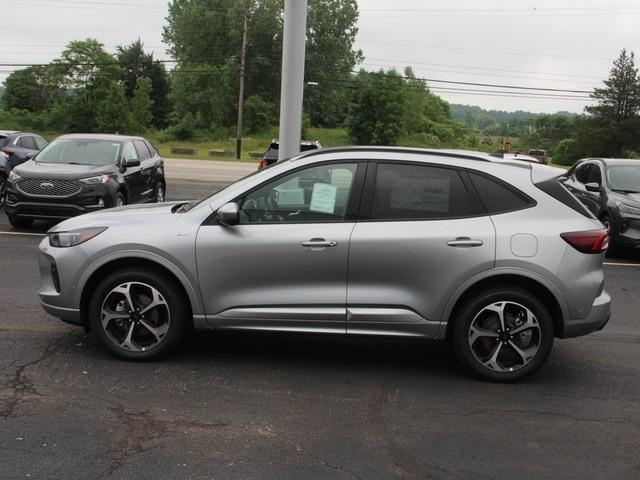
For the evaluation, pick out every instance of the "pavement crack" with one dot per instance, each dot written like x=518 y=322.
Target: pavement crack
x=20 y=386
x=614 y=421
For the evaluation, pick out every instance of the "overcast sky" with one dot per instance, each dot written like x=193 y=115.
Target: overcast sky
x=558 y=44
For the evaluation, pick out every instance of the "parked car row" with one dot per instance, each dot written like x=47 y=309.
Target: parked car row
x=83 y=173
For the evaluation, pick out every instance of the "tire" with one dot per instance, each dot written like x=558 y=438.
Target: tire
x=119 y=200
x=607 y=221
x=159 y=193
x=17 y=221
x=140 y=335
x=494 y=356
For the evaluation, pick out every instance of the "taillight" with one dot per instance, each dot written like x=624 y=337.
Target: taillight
x=262 y=164
x=592 y=241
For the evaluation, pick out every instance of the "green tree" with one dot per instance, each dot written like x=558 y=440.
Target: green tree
x=112 y=113
x=378 y=107
x=141 y=114
x=615 y=123
x=28 y=89
x=136 y=63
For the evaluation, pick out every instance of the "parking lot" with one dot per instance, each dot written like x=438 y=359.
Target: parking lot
x=291 y=407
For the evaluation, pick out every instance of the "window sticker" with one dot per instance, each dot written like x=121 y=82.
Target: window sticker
x=323 y=198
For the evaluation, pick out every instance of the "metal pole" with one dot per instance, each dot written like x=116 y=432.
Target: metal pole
x=243 y=56
x=292 y=83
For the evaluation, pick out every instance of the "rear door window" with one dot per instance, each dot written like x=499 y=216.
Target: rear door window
x=40 y=142
x=420 y=192
x=497 y=196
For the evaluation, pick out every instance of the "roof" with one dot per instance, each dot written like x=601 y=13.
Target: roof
x=100 y=136
x=8 y=132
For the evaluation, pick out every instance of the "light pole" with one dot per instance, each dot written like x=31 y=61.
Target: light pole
x=292 y=83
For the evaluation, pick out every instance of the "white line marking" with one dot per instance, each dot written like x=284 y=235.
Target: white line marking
x=622 y=264
x=24 y=233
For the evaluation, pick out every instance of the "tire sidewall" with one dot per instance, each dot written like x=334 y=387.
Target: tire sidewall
x=474 y=305
x=115 y=199
x=177 y=309
x=159 y=186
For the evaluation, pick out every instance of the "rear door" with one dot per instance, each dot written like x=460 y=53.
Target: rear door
x=422 y=233
x=147 y=169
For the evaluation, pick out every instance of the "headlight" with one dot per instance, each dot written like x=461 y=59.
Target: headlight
x=94 y=180
x=74 y=237
x=624 y=208
x=14 y=177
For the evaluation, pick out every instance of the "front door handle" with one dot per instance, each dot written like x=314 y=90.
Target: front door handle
x=464 y=242
x=319 y=243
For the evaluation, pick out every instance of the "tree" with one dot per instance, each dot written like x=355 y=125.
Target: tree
x=258 y=114
x=376 y=114
x=135 y=64
x=141 y=114
x=615 y=123
x=112 y=113
x=28 y=89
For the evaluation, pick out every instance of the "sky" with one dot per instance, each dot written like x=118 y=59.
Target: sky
x=543 y=44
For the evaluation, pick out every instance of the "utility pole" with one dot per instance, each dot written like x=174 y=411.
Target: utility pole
x=292 y=83
x=243 y=56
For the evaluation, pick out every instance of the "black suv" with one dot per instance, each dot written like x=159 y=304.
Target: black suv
x=271 y=155
x=82 y=173
x=16 y=148
x=610 y=188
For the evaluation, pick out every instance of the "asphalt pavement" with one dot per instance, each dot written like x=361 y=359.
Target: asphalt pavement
x=266 y=406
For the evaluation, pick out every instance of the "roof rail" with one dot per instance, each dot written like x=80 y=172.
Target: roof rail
x=424 y=151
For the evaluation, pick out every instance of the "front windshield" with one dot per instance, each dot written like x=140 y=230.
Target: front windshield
x=80 y=151
x=625 y=178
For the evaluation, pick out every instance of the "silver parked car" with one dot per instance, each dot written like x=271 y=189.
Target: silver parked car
x=494 y=255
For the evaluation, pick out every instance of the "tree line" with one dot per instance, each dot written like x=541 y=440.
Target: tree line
x=195 y=94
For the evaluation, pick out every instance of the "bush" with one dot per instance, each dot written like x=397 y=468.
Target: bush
x=258 y=114
x=184 y=129
x=567 y=152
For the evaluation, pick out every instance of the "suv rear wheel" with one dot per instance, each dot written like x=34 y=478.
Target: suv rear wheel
x=502 y=334
x=138 y=314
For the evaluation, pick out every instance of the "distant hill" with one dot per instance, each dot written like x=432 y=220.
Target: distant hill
x=496 y=122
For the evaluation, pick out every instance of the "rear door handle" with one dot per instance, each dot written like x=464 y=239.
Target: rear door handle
x=464 y=242
x=319 y=243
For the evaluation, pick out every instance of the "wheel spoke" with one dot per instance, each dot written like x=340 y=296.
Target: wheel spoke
x=157 y=300
x=127 y=342
x=530 y=322
x=108 y=316
x=125 y=290
x=158 y=332
x=492 y=362
x=477 y=332
x=499 y=309
x=526 y=355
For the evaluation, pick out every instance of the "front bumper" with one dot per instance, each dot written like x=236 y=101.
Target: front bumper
x=597 y=318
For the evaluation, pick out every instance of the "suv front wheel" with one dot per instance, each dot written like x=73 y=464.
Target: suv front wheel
x=502 y=334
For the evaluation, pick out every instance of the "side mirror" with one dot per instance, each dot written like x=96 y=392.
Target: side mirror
x=29 y=155
x=132 y=162
x=592 y=187
x=228 y=214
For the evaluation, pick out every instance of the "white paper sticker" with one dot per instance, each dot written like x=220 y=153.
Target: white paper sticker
x=323 y=198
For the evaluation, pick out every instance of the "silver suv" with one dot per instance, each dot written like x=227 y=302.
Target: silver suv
x=495 y=256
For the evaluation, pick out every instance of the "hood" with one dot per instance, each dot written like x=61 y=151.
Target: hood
x=139 y=215
x=630 y=198
x=31 y=169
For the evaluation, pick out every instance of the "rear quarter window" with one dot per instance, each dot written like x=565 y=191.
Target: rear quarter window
x=497 y=196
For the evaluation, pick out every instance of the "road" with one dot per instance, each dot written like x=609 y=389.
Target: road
x=240 y=406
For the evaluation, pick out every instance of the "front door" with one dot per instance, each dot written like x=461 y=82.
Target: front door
x=132 y=175
x=284 y=267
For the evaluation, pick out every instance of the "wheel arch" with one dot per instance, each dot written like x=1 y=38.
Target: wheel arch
x=529 y=281
x=92 y=278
